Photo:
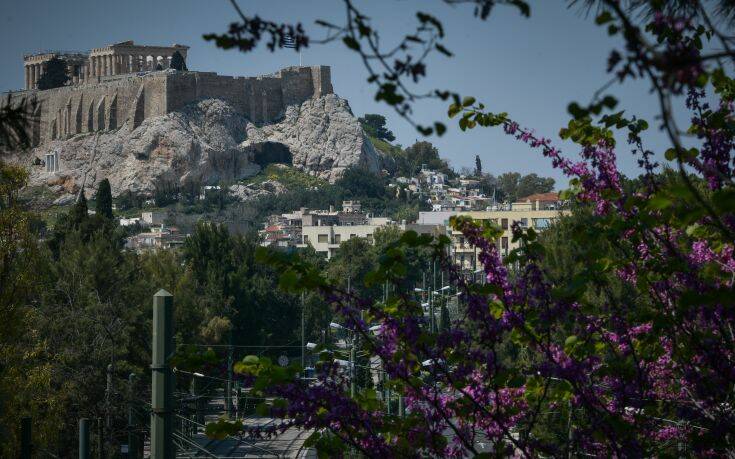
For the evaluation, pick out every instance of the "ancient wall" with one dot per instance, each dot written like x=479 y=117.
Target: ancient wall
x=109 y=102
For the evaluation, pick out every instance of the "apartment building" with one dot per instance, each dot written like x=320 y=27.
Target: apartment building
x=527 y=215
x=326 y=238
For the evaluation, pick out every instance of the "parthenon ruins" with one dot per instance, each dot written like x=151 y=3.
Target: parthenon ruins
x=115 y=59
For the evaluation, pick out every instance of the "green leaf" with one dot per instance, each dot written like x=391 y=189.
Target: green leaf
x=443 y=50
x=468 y=101
x=440 y=128
x=660 y=202
x=351 y=43
x=603 y=18
x=454 y=109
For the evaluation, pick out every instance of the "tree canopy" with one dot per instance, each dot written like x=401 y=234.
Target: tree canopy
x=103 y=204
x=374 y=126
x=177 y=61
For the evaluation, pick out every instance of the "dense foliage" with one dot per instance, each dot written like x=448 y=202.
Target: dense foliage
x=621 y=346
x=374 y=126
x=178 y=62
x=54 y=75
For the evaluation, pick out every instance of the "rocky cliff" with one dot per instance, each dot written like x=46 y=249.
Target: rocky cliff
x=205 y=143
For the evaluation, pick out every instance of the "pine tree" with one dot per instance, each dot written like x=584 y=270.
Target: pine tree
x=478 y=166
x=54 y=75
x=104 y=199
x=177 y=61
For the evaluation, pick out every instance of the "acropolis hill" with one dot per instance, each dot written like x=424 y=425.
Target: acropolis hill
x=124 y=104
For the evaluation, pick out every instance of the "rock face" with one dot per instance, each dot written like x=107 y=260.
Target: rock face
x=250 y=192
x=204 y=144
x=323 y=136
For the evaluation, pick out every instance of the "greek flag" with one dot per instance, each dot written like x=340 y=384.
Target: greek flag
x=289 y=41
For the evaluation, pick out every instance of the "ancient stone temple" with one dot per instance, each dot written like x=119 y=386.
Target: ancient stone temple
x=117 y=59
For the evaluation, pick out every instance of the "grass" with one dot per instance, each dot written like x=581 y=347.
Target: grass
x=289 y=177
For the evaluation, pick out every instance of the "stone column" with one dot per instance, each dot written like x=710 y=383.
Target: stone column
x=27 y=76
x=34 y=75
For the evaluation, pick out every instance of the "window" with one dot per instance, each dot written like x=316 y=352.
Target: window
x=524 y=222
x=504 y=223
x=306 y=238
x=504 y=243
x=322 y=238
x=352 y=235
x=541 y=223
x=337 y=238
x=370 y=238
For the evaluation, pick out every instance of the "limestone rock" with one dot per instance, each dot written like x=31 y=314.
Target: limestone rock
x=206 y=143
x=254 y=191
x=323 y=135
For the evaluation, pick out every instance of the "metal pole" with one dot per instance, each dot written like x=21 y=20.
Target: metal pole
x=433 y=289
x=303 y=337
x=25 y=438
x=228 y=394
x=162 y=446
x=100 y=439
x=238 y=400
x=352 y=370
x=84 y=438
x=133 y=449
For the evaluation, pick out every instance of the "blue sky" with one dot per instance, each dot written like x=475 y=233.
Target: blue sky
x=530 y=68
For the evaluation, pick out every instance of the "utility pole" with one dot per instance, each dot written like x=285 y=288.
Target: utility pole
x=162 y=446
x=228 y=393
x=26 y=447
x=84 y=438
x=352 y=369
x=133 y=449
x=303 y=337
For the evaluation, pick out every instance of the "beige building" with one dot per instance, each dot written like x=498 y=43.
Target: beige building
x=161 y=237
x=326 y=238
x=116 y=59
x=465 y=255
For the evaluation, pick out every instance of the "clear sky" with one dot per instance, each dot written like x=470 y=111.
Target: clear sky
x=531 y=68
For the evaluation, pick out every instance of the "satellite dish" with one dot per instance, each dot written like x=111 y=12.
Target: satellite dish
x=283 y=361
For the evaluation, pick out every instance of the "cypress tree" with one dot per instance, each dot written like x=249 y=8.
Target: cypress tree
x=104 y=199
x=177 y=61
x=54 y=75
x=79 y=212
